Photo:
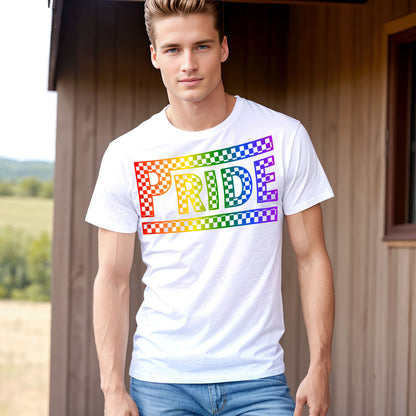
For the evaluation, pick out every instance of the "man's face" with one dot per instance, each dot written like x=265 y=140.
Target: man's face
x=189 y=54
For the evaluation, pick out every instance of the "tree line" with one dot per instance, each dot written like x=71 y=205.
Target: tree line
x=25 y=265
x=25 y=260
x=28 y=186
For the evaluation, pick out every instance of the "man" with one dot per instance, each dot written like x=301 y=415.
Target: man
x=206 y=184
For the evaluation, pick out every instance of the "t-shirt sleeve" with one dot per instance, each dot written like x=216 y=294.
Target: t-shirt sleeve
x=305 y=181
x=111 y=205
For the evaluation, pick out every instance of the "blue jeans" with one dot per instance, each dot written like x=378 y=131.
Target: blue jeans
x=263 y=397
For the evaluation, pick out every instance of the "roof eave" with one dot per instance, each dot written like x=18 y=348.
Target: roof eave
x=57 y=7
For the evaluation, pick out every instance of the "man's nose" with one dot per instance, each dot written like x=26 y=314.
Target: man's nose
x=189 y=62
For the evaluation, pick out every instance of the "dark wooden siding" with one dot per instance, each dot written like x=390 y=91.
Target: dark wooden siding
x=324 y=65
x=337 y=85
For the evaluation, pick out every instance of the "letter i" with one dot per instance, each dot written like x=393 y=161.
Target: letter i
x=212 y=187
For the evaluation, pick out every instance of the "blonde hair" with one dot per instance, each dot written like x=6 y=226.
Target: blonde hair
x=154 y=9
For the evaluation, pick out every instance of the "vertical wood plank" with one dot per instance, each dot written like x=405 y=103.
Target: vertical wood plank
x=234 y=69
x=330 y=134
x=377 y=268
x=277 y=21
x=411 y=398
x=360 y=286
x=84 y=178
x=61 y=258
x=257 y=61
x=392 y=330
x=124 y=99
x=104 y=76
x=344 y=210
x=329 y=148
x=401 y=360
x=143 y=69
x=378 y=347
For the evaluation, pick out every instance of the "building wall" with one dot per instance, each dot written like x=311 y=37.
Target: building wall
x=106 y=86
x=337 y=86
x=322 y=64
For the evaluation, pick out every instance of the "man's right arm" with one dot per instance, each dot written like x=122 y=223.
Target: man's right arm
x=111 y=318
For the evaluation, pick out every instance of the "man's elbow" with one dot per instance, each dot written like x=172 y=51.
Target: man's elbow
x=118 y=281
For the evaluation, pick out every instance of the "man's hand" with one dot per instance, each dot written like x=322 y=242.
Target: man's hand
x=314 y=392
x=120 y=404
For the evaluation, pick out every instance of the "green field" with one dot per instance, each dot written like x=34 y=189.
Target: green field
x=34 y=215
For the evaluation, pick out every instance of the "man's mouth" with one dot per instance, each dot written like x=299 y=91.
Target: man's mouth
x=190 y=82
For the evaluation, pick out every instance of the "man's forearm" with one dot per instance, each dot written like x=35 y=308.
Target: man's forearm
x=317 y=294
x=111 y=326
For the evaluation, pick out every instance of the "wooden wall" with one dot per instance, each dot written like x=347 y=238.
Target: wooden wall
x=320 y=63
x=337 y=85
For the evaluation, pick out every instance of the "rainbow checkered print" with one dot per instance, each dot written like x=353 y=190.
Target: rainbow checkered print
x=190 y=185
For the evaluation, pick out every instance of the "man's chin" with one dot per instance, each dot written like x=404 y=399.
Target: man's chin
x=192 y=98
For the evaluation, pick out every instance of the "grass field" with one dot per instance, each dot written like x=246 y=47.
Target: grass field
x=25 y=326
x=24 y=358
x=31 y=214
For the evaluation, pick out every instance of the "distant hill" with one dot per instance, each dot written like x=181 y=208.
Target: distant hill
x=13 y=170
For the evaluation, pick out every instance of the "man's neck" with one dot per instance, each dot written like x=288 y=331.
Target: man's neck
x=201 y=115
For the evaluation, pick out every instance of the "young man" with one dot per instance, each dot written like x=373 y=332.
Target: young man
x=206 y=183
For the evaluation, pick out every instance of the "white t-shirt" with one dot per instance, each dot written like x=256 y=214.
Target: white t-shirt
x=208 y=207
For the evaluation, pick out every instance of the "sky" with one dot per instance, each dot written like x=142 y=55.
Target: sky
x=27 y=109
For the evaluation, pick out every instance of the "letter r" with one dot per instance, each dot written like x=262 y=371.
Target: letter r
x=188 y=186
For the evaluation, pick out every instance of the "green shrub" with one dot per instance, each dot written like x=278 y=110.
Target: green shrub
x=46 y=190
x=25 y=265
x=29 y=186
x=6 y=189
x=39 y=266
x=14 y=246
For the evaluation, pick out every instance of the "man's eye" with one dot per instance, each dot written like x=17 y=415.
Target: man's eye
x=172 y=50
x=202 y=47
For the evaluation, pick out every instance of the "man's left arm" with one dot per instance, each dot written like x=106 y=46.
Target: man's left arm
x=317 y=296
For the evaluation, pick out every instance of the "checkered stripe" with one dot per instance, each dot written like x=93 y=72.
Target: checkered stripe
x=192 y=194
x=231 y=200
x=213 y=197
x=163 y=167
x=263 y=178
x=212 y=222
x=226 y=155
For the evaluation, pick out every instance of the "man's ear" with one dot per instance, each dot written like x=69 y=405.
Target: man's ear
x=153 y=57
x=224 y=49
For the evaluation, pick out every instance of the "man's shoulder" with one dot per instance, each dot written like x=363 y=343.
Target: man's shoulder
x=267 y=114
x=141 y=132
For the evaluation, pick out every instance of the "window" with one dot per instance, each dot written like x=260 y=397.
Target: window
x=401 y=137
